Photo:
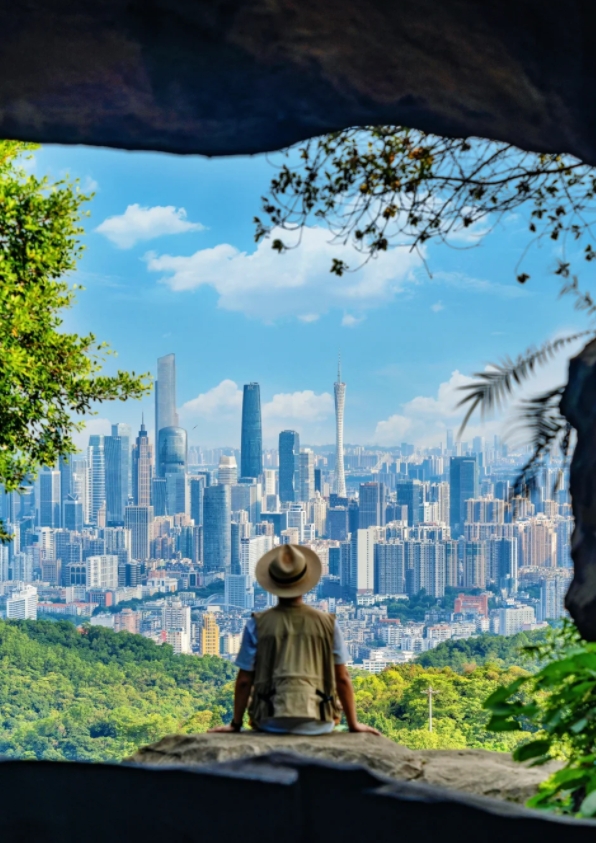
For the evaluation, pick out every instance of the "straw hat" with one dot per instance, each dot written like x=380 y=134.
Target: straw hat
x=288 y=570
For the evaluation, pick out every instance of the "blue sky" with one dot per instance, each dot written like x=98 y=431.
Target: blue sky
x=174 y=268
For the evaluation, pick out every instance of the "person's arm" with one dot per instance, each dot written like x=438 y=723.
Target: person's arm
x=345 y=692
x=242 y=690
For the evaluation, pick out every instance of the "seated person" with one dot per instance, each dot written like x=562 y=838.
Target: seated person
x=292 y=661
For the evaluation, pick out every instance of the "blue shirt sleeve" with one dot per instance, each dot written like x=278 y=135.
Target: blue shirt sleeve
x=340 y=652
x=247 y=655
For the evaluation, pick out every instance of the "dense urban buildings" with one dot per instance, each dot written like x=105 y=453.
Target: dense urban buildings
x=392 y=526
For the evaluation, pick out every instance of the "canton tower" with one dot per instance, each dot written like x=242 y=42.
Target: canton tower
x=340 y=399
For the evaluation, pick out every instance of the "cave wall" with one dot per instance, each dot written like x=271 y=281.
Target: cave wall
x=221 y=77
x=277 y=797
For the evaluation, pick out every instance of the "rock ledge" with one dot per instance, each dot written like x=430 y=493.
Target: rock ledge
x=474 y=771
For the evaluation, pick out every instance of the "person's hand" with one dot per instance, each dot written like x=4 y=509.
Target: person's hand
x=362 y=727
x=228 y=728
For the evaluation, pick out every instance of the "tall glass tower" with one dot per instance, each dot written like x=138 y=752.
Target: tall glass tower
x=289 y=449
x=251 y=445
x=217 y=530
x=339 y=389
x=117 y=467
x=165 y=394
x=463 y=485
x=142 y=465
x=97 y=475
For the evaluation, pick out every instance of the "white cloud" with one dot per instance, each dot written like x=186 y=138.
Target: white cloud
x=299 y=406
x=437 y=307
x=225 y=399
x=350 y=321
x=309 y=317
x=425 y=418
x=217 y=414
x=138 y=223
x=267 y=286
x=480 y=285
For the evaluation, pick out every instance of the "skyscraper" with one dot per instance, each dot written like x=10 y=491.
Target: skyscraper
x=117 y=463
x=227 y=471
x=165 y=394
x=371 y=505
x=251 y=446
x=97 y=475
x=142 y=467
x=49 y=497
x=306 y=475
x=289 y=448
x=139 y=520
x=463 y=485
x=217 y=534
x=339 y=389
x=171 y=451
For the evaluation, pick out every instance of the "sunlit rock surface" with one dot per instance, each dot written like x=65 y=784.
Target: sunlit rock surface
x=479 y=772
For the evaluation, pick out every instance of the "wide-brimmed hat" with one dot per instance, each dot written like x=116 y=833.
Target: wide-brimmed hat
x=288 y=570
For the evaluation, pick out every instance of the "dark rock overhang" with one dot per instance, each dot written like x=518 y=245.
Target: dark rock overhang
x=220 y=77
x=277 y=797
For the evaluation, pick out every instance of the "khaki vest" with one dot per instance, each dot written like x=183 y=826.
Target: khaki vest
x=294 y=669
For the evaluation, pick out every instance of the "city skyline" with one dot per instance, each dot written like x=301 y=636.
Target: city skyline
x=160 y=224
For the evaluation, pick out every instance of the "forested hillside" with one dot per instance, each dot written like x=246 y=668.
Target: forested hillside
x=98 y=695
x=501 y=650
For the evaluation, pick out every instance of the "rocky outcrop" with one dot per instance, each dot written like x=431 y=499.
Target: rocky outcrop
x=473 y=771
x=241 y=76
x=578 y=405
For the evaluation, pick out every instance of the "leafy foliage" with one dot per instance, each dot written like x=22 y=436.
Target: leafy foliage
x=48 y=377
x=558 y=705
x=390 y=186
x=97 y=696
x=503 y=651
x=395 y=702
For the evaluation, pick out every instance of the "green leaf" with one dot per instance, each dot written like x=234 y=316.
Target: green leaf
x=531 y=750
x=588 y=806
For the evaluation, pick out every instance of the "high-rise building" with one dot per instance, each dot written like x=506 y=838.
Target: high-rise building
x=49 y=497
x=171 y=451
x=289 y=449
x=475 y=564
x=337 y=523
x=102 y=571
x=22 y=604
x=97 y=475
x=239 y=591
x=209 y=635
x=72 y=512
x=251 y=550
x=463 y=485
x=118 y=470
x=425 y=564
x=339 y=389
x=196 y=488
x=139 y=520
x=227 y=471
x=251 y=445
x=306 y=475
x=165 y=394
x=389 y=567
x=142 y=468
x=372 y=505
x=410 y=493
x=217 y=550
x=364 y=563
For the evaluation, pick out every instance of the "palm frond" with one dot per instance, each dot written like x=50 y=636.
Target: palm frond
x=494 y=385
x=542 y=416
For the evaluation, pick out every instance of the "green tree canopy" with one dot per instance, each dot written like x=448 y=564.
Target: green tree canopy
x=48 y=376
